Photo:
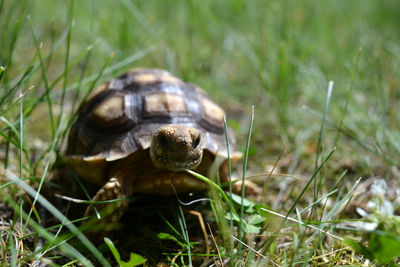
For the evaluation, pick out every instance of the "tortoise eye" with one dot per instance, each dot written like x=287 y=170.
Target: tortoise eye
x=196 y=142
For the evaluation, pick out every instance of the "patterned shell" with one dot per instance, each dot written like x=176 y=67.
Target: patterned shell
x=121 y=115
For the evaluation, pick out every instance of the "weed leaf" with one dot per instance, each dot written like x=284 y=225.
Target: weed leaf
x=134 y=260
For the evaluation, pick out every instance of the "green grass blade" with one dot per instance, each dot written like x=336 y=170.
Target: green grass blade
x=13 y=251
x=45 y=80
x=268 y=242
x=87 y=56
x=113 y=249
x=63 y=246
x=53 y=210
x=364 y=143
x=136 y=13
x=337 y=205
x=12 y=89
x=246 y=155
x=348 y=95
x=185 y=233
x=309 y=182
x=214 y=185
x=67 y=56
x=14 y=103
x=25 y=7
x=47 y=94
x=170 y=226
x=21 y=145
x=318 y=201
x=46 y=168
x=13 y=130
x=230 y=188
x=115 y=67
x=74 y=62
x=104 y=67
x=1 y=72
x=321 y=133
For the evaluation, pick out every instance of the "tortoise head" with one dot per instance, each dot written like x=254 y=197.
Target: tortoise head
x=176 y=147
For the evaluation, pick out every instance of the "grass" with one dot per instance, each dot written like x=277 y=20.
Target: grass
x=277 y=56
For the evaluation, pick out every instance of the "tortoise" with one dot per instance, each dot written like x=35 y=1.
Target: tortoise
x=138 y=133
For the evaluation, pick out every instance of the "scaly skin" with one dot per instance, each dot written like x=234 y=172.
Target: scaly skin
x=113 y=189
x=176 y=147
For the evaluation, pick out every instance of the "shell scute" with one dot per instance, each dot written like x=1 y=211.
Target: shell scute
x=164 y=104
x=120 y=117
x=110 y=111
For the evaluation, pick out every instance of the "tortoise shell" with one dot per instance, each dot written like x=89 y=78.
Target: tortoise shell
x=120 y=117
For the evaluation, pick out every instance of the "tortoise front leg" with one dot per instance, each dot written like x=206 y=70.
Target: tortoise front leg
x=110 y=212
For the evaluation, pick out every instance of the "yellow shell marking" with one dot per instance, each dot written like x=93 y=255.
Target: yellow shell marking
x=152 y=78
x=170 y=78
x=164 y=103
x=112 y=108
x=146 y=78
x=212 y=111
x=96 y=91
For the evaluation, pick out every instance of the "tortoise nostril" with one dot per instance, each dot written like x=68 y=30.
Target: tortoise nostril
x=162 y=140
x=196 y=142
